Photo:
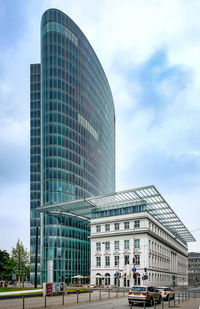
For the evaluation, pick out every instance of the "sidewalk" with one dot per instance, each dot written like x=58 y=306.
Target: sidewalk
x=192 y=303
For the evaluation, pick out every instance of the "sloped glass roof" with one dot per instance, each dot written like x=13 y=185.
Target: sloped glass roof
x=149 y=196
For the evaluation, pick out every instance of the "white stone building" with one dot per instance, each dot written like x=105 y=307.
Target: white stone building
x=138 y=224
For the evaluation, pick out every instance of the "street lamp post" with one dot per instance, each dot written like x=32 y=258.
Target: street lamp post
x=36 y=257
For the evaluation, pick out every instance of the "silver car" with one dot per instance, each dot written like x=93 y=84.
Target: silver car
x=166 y=293
x=147 y=294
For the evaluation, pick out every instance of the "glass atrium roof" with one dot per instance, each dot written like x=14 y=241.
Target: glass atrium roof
x=154 y=202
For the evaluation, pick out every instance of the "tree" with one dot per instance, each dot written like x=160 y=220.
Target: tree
x=21 y=260
x=6 y=265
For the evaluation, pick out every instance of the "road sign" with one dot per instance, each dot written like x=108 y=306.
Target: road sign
x=134 y=269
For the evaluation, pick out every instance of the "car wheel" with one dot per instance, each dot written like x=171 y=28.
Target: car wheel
x=167 y=298
x=151 y=302
x=160 y=299
x=130 y=302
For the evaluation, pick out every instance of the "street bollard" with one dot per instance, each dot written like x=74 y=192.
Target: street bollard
x=144 y=305
x=162 y=303
x=123 y=292
x=154 y=303
x=188 y=295
x=109 y=294
x=168 y=301
x=45 y=301
x=174 y=299
x=182 y=297
x=90 y=293
x=23 y=300
x=178 y=298
x=77 y=296
x=194 y=295
x=185 y=295
x=99 y=294
x=116 y=293
x=63 y=299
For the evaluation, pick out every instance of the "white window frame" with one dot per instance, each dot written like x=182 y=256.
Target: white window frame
x=98 y=261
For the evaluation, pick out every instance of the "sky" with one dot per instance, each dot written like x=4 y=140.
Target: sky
x=150 y=51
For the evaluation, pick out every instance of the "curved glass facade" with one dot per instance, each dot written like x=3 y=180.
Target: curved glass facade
x=66 y=249
x=78 y=119
x=77 y=147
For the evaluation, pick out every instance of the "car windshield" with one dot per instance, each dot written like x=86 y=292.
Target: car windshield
x=138 y=289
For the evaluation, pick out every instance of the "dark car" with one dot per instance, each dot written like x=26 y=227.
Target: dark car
x=147 y=294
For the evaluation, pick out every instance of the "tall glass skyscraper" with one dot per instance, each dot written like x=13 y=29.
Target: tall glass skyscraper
x=72 y=140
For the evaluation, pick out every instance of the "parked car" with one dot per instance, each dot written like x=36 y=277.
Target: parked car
x=166 y=293
x=147 y=294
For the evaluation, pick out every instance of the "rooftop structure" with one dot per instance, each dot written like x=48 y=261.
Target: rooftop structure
x=146 y=198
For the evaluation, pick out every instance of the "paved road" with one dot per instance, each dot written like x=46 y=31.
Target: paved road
x=70 y=302
x=122 y=303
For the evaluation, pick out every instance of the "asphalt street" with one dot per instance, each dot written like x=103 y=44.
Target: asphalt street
x=117 y=303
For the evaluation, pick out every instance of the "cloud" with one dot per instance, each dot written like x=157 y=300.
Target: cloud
x=14 y=214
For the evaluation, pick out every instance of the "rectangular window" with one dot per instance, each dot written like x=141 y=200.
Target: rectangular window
x=116 y=260
x=137 y=243
x=116 y=226
x=98 y=261
x=107 y=227
x=126 y=259
x=116 y=245
x=126 y=244
x=137 y=259
x=107 y=245
x=98 y=228
x=126 y=225
x=136 y=224
x=98 y=246
x=107 y=261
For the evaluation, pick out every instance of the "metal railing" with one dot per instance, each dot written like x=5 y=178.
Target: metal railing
x=89 y=295
x=79 y=296
x=179 y=297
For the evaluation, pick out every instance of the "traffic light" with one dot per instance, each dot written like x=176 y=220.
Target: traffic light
x=173 y=280
x=134 y=275
x=117 y=275
x=144 y=277
x=145 y=269
x=133 y=260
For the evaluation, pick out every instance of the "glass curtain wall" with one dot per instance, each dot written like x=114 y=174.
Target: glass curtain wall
x=77 y=137
x=35 y=164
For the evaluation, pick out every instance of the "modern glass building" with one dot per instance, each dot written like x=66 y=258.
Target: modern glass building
x=72 y=142
x=35 y=161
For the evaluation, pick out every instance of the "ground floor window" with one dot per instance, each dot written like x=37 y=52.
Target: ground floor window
x=98 y=279
x=107 y=279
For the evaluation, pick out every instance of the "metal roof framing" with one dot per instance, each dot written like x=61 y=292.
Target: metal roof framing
x=155 y=203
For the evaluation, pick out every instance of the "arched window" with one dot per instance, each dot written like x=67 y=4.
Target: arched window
x=98 y=279
x=124 y=279
x=107 y=279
